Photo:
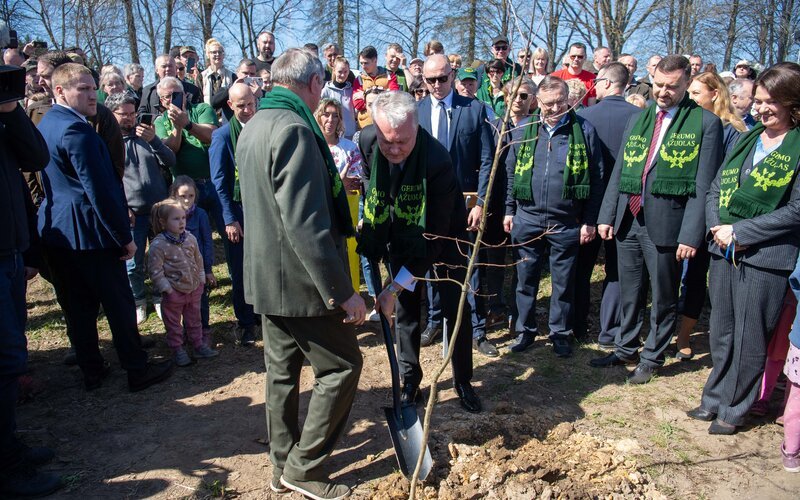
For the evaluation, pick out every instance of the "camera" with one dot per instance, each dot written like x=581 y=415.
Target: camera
x=12 y=84
x=8 y=37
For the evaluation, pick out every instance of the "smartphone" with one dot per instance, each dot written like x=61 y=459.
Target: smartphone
x=177 y=99
x=39 y=45
x=146 y=119
x=190 y=62
x=249 y=80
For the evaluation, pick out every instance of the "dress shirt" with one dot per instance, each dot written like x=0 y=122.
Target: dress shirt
x=448 y=107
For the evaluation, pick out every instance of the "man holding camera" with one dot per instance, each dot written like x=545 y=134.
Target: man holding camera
x=165 y=66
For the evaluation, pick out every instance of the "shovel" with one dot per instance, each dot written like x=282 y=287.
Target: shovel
x=405 y=427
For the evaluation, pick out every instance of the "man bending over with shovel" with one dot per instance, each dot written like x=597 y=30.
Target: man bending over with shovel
x=413 y=190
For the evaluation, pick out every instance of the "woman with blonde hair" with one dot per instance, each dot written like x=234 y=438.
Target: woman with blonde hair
x=216 y=76
x=710 y=92
x=538 y=68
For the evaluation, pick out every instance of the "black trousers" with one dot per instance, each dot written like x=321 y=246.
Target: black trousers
x=609 y=303
x=637 y=257
x=408 y=329
x=85 y=279
x=746 y=302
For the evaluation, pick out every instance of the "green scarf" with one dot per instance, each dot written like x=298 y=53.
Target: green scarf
x=236 y=129
x=576 y=171
x=767 y=184
x=283 y=98
x=676 y=163
x=409 y=205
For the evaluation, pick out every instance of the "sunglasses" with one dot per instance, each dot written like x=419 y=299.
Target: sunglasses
x=576 y=56
x=421 y=92
x=438 y=79
x=495 y=71
x=596 y=80
x=500 y=47
x=523 y=96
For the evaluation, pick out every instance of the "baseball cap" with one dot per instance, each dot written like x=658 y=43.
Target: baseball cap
x=500 y=39
x=187 y=48
x=466 y=73
x=416 y=59
x=744 y=62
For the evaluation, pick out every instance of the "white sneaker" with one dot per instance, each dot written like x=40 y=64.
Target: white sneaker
x=141 y=314
x=373 y=316
x=158 y=311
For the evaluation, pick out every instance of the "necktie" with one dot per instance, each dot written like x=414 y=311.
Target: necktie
x=441 y=130
x=635 y=200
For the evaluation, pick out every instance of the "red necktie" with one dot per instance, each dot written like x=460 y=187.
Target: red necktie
x=635 y=200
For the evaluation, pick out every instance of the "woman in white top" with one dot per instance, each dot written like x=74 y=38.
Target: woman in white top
x=216 y=76
x=538 y=68
x=345 y=152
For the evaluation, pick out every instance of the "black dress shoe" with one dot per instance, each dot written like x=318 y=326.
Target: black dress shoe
x=561 y=347
x=429 y=336
x=485 y=347
x=469 y=400
x=148 y=342
x=642 y=374
x=611 y=360
x=410 y=395
x=248 y=337
x=152 y=374
x=720 y=428
x=522 y=342
x=701 y=414
x=95 y=380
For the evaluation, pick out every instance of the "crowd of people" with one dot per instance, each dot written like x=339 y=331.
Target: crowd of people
x=685 y=177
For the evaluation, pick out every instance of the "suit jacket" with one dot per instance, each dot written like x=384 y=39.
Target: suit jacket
x=223 y=173
x=670 y=220
x=609 y=117
x=772 y=239
x=85 y=206
x=471 y=143
x=444 y=208
x=295 y=260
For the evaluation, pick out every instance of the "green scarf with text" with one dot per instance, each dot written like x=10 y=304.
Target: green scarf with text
x=283 y=98
x=677 y=160
x=409 y=205
x=576 y=171
x=763 y=190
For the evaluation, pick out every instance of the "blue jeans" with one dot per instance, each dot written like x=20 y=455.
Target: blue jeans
x=13 y=351
x=136 y=266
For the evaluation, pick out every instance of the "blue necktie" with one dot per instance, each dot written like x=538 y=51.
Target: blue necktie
x=441 y=130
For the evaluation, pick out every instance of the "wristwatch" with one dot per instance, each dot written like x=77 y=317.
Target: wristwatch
x=394 y=289
x=188 y=127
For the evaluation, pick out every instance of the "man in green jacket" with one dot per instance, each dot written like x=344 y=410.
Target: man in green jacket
x=296 y=274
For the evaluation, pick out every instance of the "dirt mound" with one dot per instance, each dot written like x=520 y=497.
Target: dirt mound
x=508 y=455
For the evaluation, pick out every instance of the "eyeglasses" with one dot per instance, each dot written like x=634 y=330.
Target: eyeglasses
x=495 y=72
x=500 y=48
x=576 y=56
x=421 y=92
x=180 y=68
x=438 y=79
x=523 y=96
x=596 y=80
x=552 y=104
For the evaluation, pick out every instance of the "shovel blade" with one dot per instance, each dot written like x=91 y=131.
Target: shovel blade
x=405 y=430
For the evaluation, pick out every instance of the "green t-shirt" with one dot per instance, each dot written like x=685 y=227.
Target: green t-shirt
x=192 y=158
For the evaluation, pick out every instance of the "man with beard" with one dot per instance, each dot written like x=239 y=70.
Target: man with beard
x=266 y=50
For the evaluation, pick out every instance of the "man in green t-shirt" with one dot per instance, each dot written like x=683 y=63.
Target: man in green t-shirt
x=186 y=130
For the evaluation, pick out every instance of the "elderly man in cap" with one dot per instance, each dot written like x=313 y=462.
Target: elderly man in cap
x=500 y=51
x=151 y=102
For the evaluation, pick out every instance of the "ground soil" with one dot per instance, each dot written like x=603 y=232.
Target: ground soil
x=551 y=428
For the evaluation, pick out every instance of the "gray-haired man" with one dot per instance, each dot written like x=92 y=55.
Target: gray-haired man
x=296 y=274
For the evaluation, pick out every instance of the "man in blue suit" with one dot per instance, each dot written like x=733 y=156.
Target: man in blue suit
x=460 y=124
x=609 y=117
x=86 y=235
x=225 y=176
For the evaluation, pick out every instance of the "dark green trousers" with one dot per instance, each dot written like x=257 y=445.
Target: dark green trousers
x=331 y=347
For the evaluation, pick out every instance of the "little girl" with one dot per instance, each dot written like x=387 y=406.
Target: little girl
x=790 y=449
x=184 y=190
x=176 y=270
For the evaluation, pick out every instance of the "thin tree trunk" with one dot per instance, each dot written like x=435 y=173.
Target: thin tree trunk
x=130 y=22
x=730 y=38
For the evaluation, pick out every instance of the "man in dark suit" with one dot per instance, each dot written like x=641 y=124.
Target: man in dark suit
x=609 y=117
x=222 y=158
x=655 y=230
x=296 y=274
x=423 y=196
x=86 y=234
x=460 y=125
x=165 y=66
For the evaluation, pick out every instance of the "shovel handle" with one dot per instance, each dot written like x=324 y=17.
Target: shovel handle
x=394 y=368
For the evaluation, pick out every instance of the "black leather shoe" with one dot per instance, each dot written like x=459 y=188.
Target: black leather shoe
x=642 y=374
x=469 y=400
x=410 y=395
x=95 y=380
x=701 y=414
x=70 y=358
x=522 y=342
x=430 y=335
x=248 y=337
x=148 y=342
x=720 y=428
x=152 y=374
x=561 y=347
x=485 y=347
x=611 y=360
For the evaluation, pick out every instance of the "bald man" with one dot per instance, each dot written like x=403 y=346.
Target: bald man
x=222 y=156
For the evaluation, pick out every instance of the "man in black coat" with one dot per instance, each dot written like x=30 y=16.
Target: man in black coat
x=414 y=190
x=609 y=117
